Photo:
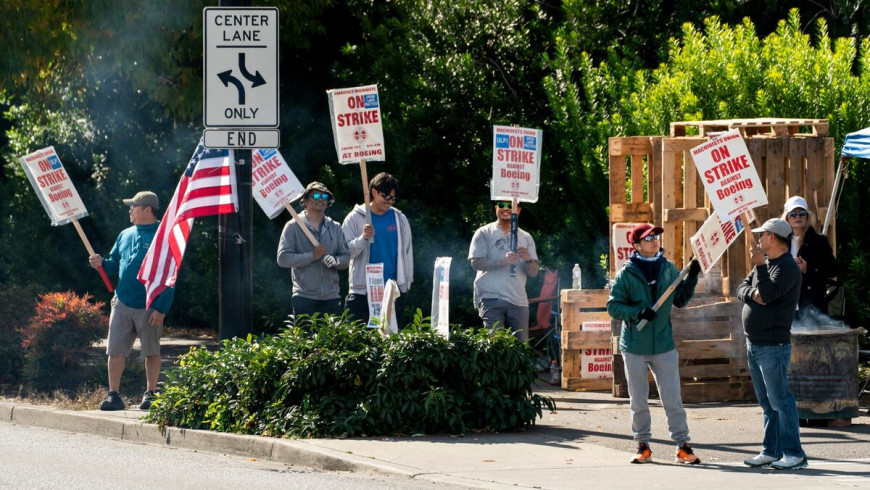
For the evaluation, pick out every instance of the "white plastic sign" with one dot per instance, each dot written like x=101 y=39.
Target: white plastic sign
x=516 y=163
x=356 y=124
x=273 y=184
x=53 y=186
x=713 y=239
x=621 y=241
x=441 y=296
x=729 y=175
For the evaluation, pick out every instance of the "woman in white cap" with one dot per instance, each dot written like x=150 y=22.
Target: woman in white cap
x=813 y=254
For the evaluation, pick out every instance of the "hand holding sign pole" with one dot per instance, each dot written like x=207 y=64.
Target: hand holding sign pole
x=58 y=195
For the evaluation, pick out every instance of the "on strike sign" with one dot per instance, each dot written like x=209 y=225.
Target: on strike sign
x=516 y=163
x=714 y=238
x=729 y=175
x=53 y=186
x=356 y=124
x=273 y=183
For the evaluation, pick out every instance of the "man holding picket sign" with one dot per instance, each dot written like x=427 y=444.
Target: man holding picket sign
x=501 y=253
x=314 y=265
x=387 y=240
x=642 y=280
x=130 y=318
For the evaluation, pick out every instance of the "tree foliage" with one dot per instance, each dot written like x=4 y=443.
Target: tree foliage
x=115 y=87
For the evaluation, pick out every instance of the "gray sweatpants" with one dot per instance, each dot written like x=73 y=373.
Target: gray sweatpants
x=665 y=369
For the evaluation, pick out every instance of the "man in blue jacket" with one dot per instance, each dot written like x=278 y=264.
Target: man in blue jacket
x=129 y=318
x=636 y=288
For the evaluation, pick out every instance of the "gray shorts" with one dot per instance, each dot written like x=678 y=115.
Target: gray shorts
x=125 y=324
x=494 y=311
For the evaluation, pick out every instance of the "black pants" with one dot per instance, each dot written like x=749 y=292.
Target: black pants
x=358 y=307
x=306 y=306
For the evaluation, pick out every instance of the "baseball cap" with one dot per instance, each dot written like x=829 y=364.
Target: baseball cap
x=775 y=226
x=795 y=202
x=642 y=230
x=144 y=198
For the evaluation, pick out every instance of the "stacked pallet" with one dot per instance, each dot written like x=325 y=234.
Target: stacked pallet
x=586 y=354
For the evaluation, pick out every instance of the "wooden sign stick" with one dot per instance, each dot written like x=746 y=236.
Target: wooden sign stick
x=91 y=252
x=301 y=224
x=366 y=193
x=667 y=293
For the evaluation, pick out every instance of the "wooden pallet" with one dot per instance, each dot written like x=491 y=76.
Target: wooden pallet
x=580 y=306
x=752 y=127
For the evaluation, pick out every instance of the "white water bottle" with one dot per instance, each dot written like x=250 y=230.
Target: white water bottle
x=576 y=278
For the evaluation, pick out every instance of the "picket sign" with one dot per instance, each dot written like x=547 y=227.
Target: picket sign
x=734 y=189
x=357 y=130
x=516 y=171
x=58 y=195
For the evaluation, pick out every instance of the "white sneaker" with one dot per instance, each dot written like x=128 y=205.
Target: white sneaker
x=760 y=460
x=790 y=463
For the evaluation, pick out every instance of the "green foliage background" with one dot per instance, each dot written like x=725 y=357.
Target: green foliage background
x=116 y=88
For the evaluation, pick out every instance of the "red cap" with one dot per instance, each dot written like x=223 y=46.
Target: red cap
x=643 y=230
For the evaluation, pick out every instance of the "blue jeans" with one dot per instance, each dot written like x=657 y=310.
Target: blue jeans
x=768 y=366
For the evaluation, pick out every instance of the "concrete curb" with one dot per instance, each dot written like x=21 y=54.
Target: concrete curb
x=126 y=426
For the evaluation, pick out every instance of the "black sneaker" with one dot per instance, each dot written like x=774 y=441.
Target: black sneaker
x=112 y=402
x=147 y=398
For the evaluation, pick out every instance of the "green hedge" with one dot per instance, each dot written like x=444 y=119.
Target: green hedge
x=327 y=377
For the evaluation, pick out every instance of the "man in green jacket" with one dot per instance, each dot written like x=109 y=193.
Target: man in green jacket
x=636 y=288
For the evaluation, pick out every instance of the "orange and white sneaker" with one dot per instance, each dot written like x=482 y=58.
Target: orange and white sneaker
x=685 y=455
x=643 y=455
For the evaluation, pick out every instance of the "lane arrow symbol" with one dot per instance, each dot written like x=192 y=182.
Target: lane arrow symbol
x=256 y=78
x=227 y=78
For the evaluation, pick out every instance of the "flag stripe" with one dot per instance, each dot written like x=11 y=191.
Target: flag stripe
x=207 y=187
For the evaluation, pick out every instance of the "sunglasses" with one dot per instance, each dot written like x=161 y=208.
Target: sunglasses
x=650 y=238
x=795 y=214
x=320 y=196
x=503 y=205
x=387 y=197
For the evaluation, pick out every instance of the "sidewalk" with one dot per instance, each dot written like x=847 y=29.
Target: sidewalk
x=586 y=441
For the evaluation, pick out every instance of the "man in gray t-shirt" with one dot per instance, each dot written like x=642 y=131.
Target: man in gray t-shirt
x=498 y=297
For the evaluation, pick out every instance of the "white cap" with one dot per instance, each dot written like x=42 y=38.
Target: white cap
x=795 y=202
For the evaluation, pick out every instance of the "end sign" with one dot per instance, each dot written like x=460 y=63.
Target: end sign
x=240 y=67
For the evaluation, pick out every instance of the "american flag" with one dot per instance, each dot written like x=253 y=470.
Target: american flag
x=208 y=186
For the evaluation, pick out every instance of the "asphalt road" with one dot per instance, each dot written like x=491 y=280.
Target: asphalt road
x=37 y=458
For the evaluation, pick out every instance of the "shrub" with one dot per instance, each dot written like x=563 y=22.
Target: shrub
x=16 y=308
x=58 y=338
x=328 y=377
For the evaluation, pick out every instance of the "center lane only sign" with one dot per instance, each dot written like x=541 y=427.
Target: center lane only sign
x=240 y=77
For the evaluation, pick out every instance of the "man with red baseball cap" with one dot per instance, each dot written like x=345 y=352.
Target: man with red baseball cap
x=636 y=288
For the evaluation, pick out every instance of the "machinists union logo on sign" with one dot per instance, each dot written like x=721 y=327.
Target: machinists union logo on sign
x=370 y=101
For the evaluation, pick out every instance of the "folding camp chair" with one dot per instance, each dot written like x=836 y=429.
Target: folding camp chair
x=547 y=325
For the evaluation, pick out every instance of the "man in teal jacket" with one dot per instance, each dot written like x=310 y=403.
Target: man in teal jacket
x=129 y=318
x=636 y=288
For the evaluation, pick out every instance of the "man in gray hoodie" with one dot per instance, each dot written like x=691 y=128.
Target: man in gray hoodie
x=387 y=240
x=314 y=269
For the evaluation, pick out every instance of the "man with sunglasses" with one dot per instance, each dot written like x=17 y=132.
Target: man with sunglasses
x=499 y=297
x=770 y=295
x=314 y=269
x=637 y=286
x=386 y=241
x=129 y=318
